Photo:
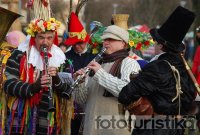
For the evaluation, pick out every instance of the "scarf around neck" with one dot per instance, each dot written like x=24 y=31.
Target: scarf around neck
x=116 y=57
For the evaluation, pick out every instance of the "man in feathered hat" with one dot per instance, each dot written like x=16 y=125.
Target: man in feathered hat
x=164 y=82
x=32 y=84
x=78 y=39
x=80 y=57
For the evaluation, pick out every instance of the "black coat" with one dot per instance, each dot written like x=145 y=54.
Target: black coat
x=156 y=82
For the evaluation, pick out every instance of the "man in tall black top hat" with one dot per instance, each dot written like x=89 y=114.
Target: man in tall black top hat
x=164 y=82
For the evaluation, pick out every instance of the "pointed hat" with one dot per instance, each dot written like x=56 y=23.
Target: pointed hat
x=76 y=31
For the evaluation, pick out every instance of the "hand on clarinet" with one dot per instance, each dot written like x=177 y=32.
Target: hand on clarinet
x=78 y=73
x=94 y=66
x=52 y=71
x=46 y=79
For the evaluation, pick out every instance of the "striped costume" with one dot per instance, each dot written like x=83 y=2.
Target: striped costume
x=24 y=114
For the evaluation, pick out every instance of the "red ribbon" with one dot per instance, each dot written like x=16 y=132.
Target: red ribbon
x=45 y=3
x=35 y=99
x=30 y=3
x=42 y=54
x=55 y=41
x=32 y=41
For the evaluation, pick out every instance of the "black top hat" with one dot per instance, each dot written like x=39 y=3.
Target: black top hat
x=172 y=32
x=6 y=18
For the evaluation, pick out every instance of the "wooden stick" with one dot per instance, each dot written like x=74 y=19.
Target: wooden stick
x=190 y=74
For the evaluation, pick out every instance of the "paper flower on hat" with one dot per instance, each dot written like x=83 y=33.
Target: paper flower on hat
x=140 y=40
x=137 y=40
x=96 y=41
x=40 y=25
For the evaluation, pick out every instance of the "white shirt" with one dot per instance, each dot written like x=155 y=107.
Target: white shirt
x=34 y=57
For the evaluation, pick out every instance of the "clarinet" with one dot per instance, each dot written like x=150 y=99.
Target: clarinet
x=67 y=92
x=46 y=62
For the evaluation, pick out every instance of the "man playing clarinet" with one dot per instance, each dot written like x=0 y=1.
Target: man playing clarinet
x=28 y=84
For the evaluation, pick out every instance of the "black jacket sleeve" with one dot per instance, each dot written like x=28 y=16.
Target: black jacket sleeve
x=58 y=85
x=13 y=85
x=157 y=83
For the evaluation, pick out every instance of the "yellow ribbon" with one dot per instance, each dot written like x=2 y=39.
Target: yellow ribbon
x=80 y=35
x=57 y=110
x=10 y=102
x=7 y=55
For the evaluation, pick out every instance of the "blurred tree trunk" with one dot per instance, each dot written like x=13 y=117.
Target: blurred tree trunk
x=149 y=12
x=60 y=9
x=153 y=12
x=196 y=7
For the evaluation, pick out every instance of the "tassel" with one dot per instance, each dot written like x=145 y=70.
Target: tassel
x=22 y=69
x=34 y=120
x=12 y=118
x=32 y=41
x=14 y=107
x=55 y=41
x=3 y=112
x=20 y=112
x=30 y=3
x=9 y=121
x=50 y=122
x=45 y=3
x=1 y=133
x=57 y=114
x=24 y=117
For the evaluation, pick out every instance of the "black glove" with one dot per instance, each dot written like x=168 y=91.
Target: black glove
x=35 y=87
x=56 y=79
